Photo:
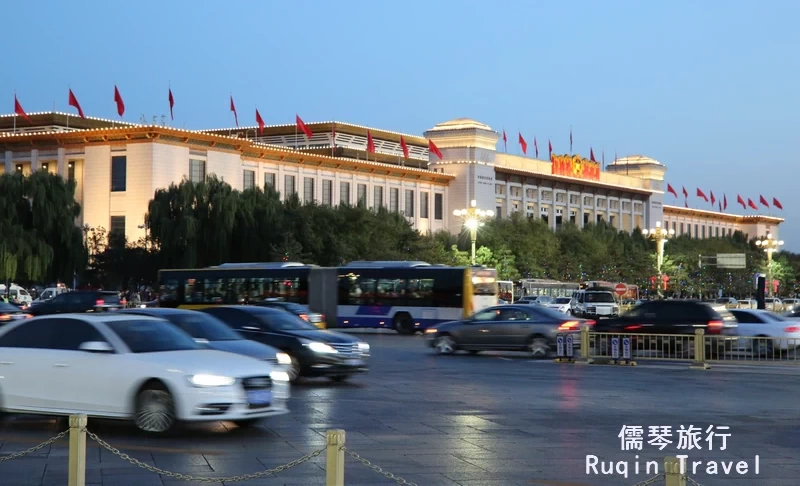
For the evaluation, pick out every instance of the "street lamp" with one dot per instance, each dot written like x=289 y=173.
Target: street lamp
x=472 y=220
x=770 y=246
x=660 y=236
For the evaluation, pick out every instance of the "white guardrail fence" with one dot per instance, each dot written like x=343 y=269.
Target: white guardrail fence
x=335 y=454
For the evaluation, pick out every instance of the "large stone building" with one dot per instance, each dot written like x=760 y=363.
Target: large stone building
x=118 y=166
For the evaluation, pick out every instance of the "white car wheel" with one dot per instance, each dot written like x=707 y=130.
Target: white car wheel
x=538 y=347
x=155 y=411
x=445 y=345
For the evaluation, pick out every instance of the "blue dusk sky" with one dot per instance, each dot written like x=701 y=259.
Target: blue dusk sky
x=709 y=88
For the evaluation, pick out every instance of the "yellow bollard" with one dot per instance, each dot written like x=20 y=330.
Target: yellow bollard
x=673 y=476
x=584 y=357
x=77 y=450
x=334 y=467
x=699 y=362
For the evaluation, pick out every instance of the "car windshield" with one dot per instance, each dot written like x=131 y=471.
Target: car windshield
x=600 y=297
x=550 y=314
x=563 y=300
x=284 y=321
x=200 y=325
x=152 y=336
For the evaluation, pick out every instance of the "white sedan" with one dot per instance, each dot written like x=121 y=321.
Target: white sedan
x=131 y=367
x=560 y=304
x=756 y=323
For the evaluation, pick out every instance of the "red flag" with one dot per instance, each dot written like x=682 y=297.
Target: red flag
x=777 y=204
x=702 y=194
x=235 y=115
x=523 y=144
x=713 y=199
x=433 y=148
x=505 y=140
x=73 y=101
x=751 y=203
x=764 y=201
x=741 y=201
x=18 y=109
x=171 y=104
x=302 y=127
x=570 y=139
x=260 y=122
x=404 y=146
x=370 y=143
x=591 y=154
x=720 y=206
x=535 y=146
x=118 y=100
x=724 y=202
x=671 y=190
x=550 y=149
x=685 y=192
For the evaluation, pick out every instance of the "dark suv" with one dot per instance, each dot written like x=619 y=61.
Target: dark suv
x=80 y=301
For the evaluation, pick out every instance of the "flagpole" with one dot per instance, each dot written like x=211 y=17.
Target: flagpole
x=333 y=141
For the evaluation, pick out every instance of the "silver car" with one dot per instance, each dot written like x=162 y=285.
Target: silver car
x=511 y=327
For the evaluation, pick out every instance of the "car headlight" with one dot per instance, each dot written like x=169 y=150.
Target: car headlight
x=211 y=380
x=363 y=347
x=283 y=358
x=279 y=376
x=320 y=347
x=430 y=331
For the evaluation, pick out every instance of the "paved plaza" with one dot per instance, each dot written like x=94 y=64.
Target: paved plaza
x=486 y=420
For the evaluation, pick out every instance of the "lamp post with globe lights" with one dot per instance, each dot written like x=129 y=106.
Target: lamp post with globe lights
x=660 y=236
x=770 y=246
x=472 y=218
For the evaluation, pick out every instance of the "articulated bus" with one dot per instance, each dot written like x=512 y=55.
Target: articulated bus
x=405 y=296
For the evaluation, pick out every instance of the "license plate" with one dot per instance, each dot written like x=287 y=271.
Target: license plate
x=603 y=311
x=259 y=397
x=353 y=362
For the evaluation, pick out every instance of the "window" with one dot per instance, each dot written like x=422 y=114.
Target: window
x=38 y=335
x=378 y=197
x=203 y=326
x=197 y=171
x=119 y=173
x=117 y=226
x=486 y=315
x=288 y=185
x=214 y=290
x=438 y=208
x=308 y=190
x=344 y=193
x=327 y=192
x=71 y=333
x=423 y=205
x=249 y=179
x=409 y=203
x=168 y=293
x=71 y=171
x=362 y=194
x=152 y=336
x=269 y=180
x=394 y=199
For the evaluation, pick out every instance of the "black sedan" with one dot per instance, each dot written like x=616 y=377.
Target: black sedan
x=313 y=352
x=214 y=333
x=511 y=327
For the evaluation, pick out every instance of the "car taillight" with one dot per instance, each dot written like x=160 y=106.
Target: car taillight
x=304 y=317
x=569 y=326
x=590 y=322
x=99 y=302
x=633 y=327
x=5 y=317
x=714 y=327
x=792 y=329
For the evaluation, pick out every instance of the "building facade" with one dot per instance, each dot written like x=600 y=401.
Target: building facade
x=117 y=167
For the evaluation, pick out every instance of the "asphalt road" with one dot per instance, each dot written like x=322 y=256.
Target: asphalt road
x=488 y=420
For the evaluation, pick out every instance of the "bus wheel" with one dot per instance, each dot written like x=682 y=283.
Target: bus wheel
x=403 y=324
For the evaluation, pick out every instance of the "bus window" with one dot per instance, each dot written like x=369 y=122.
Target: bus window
x=214 y=289
x=237 y=291
x=259 y=289
x=362 y=292
x=168 y=293
x=193 y=291
x=420 y=292
x=391 y=291
x=287 y=289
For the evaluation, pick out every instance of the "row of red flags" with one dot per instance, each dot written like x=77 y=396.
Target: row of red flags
x=723 y=203
x=301 y=126
x=524 y=146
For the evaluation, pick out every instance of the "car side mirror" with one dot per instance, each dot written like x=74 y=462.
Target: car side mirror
x=96 y=347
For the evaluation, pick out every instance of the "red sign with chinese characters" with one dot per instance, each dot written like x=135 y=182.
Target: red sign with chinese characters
x=575 y=166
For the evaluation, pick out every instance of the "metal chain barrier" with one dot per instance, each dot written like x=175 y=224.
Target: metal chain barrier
x=50 y=441
x=652 y=480
x=202 y=479
x=692 y=482
x=377 y=469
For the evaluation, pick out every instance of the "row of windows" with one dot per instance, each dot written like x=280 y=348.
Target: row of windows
x=344 y=194
x=45 y=166
x=421 y=292
x=699 y=231
x=232 y=290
